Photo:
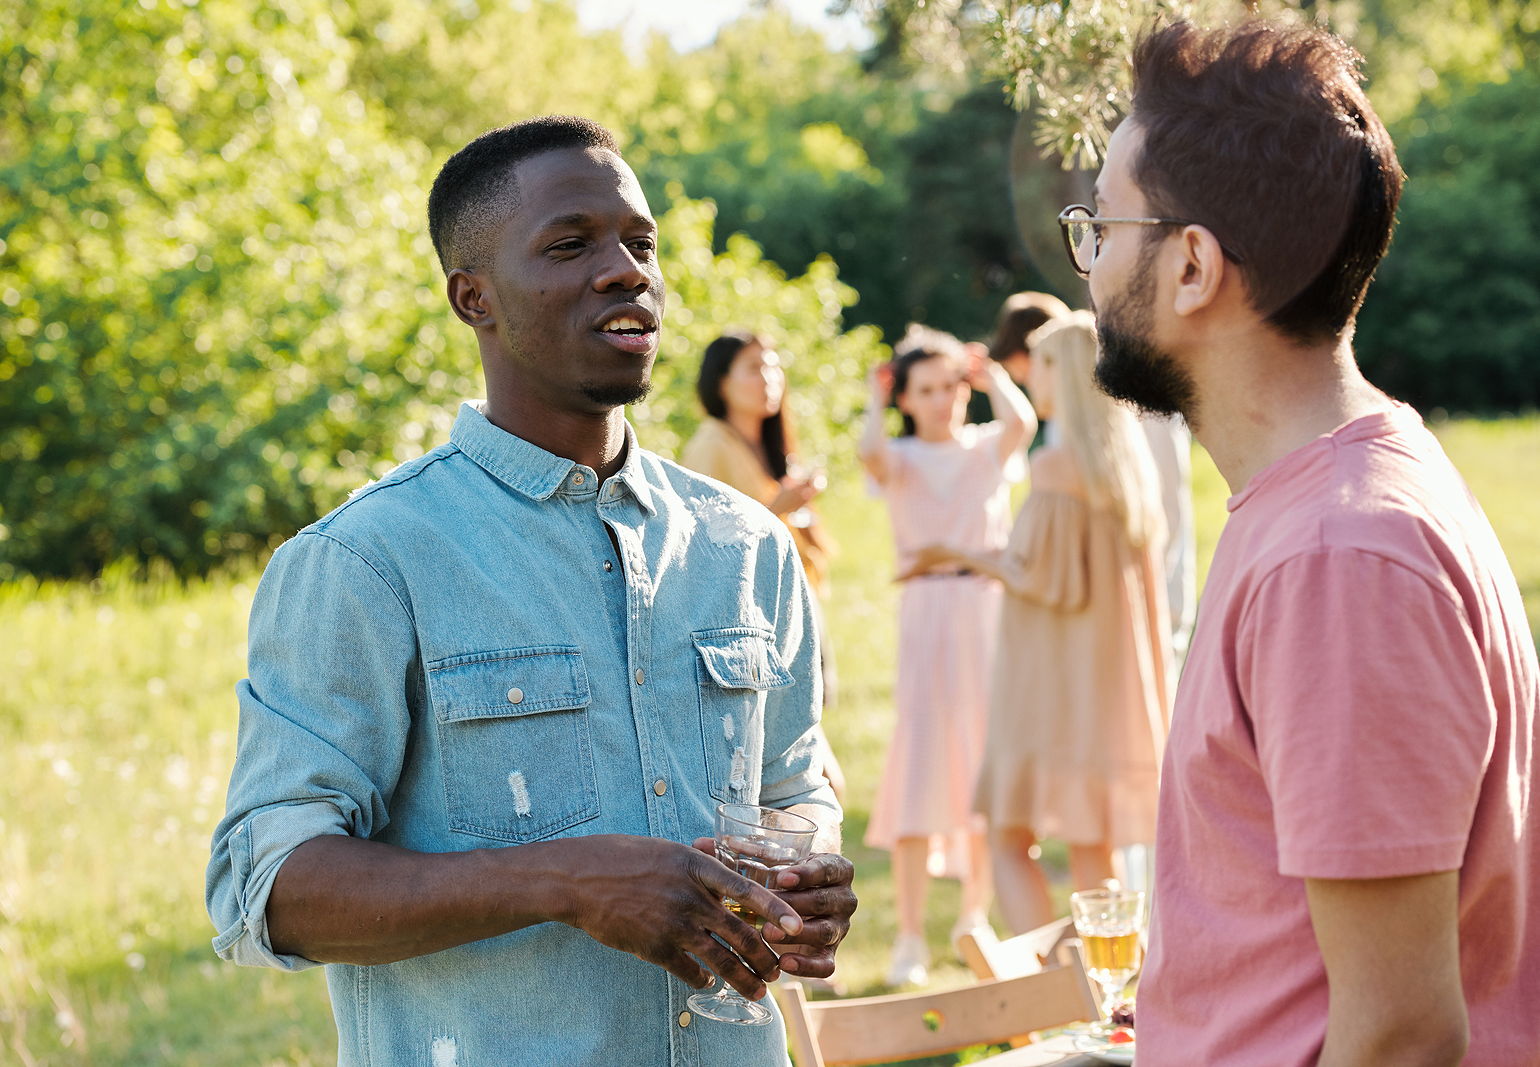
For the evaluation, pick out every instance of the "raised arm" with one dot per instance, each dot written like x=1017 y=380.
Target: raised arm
x=1012 y=409
x=873 y=446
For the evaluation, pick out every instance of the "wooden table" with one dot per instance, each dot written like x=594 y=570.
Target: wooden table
x=1054 y=1052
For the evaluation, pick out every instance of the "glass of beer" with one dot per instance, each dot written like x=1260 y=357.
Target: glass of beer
x=756 y=842
x=1108 y=922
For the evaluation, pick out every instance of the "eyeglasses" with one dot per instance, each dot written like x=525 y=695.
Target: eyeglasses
x=1082 y=229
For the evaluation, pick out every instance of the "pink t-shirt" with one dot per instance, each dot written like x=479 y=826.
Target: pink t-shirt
x=1359 y=701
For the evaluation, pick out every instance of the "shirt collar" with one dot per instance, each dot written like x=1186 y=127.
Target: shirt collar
x=530 y=469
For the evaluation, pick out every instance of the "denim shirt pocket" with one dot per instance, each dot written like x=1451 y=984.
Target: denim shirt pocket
x=515 y=741
x=735 y=667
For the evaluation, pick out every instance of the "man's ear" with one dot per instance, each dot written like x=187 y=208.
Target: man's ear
x=1201 y=269
x=469 y=298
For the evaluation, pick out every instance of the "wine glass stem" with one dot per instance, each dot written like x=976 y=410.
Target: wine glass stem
x=1110 y=991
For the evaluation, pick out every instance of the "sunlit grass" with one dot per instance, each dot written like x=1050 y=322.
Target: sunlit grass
x=117 y=728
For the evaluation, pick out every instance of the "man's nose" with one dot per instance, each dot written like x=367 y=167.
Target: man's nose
x=622 y=270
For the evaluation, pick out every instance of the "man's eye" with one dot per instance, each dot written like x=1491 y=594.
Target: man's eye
x=644 y=244
x=571 y=245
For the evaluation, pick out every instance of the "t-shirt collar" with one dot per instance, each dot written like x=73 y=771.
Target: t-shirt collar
x=1398 y=416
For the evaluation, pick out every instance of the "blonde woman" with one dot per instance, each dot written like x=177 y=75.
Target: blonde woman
x=1078 y=704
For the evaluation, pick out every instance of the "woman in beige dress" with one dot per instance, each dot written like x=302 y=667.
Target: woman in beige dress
x=747 y=442
x=1079 y=704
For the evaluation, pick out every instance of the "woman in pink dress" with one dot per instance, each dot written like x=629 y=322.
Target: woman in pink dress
x=1079 y=704
x=944 y=481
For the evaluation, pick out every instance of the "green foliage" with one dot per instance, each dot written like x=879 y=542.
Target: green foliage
x=1417 y=51
x=1453 y=316
x=219 y=308
x=738 y=288
x=904 y=180
x=443 y=71
x=222 y=311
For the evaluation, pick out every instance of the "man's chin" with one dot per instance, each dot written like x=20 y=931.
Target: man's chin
x=1132 y=372
x=617 y=394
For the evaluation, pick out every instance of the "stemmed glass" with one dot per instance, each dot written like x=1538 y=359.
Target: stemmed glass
x=1109 y=922
x=756 y=842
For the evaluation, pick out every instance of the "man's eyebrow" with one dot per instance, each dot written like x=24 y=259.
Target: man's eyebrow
x=583 y=219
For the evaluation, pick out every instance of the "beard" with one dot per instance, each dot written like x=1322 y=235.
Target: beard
x=617 y=394
x=1130 y=367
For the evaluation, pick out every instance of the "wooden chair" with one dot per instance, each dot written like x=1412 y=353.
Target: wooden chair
x=904 y=1026
x=989 y=957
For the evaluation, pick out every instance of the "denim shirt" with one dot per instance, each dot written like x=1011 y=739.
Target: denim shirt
x=459 y=658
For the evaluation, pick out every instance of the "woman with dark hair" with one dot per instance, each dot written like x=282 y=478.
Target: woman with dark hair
x=747 y=442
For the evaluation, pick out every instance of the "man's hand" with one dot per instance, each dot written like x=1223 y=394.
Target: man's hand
x=820 y=891
x=662 y=902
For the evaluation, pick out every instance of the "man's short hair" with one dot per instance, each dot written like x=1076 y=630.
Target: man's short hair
x=1262 y=133
x=1022 y=315
x=475 y=190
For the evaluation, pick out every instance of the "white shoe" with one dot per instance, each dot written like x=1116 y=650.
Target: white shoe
x=967 y=922
x=911 y=960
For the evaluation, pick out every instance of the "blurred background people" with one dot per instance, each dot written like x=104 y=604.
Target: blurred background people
x=1079 y=702
x=943 y=481
x=1170 y=444
x=747 y=441
x=1022 y=315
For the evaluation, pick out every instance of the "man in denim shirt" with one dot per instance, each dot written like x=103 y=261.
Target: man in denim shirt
x=495 y=697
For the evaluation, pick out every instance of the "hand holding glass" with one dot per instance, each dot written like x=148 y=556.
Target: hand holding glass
x=755 y=842
x=817 y=480
x=1108 y=922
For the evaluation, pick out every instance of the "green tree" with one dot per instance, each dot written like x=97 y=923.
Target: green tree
x=711 y=292
x=1453 y=315
x=221 y=309
x=218 y=311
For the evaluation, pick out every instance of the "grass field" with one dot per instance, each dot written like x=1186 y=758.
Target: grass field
x=117 y=728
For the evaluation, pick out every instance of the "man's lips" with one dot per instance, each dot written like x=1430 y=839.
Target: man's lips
x=638 y=343
x=630 y=328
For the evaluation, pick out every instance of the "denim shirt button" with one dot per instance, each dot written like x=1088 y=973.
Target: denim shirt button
x=608 y=565
x=684 y=1018
x=578 y=479
x=660 y=787
x=515 y=695
x=640 y=677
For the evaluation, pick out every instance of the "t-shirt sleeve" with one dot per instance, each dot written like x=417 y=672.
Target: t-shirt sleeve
x=1372 y=714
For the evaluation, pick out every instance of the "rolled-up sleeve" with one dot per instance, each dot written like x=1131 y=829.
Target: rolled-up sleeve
x=792 y=771
x=324 y=717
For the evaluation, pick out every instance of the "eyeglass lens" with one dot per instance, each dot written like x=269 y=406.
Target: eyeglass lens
x=1079 y=235
x=1077 y=231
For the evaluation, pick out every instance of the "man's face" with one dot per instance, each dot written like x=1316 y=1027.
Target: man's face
x=1131 y=366
x=575 y=282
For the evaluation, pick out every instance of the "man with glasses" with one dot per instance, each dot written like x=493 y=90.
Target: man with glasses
x=1345 y=873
